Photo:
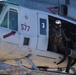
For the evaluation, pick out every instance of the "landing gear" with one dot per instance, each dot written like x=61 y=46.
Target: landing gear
x=69 y=64
x=44 y=68
x=34 y=67
x=28 y=70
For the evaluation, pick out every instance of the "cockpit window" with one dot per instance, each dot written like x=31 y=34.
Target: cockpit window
x=1 y=6
x=11 y=20
x=5 y=21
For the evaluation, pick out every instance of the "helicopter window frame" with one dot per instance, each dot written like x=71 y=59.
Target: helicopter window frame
x=13 y=19
x=5 y=21
x=1 y=7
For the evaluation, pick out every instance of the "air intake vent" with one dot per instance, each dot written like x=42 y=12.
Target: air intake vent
x=26 y=41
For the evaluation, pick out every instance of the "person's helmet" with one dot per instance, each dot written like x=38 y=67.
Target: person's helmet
x=58 y=23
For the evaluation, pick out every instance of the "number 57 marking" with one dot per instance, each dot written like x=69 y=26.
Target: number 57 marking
x=25 y=27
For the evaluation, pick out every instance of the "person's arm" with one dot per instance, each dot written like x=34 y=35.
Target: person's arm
x=64 y=35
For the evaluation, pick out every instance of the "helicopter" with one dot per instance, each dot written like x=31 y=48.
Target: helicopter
x=24 y=35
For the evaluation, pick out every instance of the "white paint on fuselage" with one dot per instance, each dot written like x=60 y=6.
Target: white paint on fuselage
x=12 y=47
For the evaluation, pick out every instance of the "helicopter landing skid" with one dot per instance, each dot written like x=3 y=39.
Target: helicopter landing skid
x=34 y=67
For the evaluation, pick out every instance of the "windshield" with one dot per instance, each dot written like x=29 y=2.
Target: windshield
x=1 y=6
x=10 y=19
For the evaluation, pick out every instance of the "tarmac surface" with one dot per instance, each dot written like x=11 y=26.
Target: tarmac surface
x=18 y=71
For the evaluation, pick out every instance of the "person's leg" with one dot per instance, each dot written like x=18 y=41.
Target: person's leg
x=68 y=64
x=61 y=48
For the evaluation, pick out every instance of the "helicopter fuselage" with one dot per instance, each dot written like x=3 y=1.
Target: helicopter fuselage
x=25 y=31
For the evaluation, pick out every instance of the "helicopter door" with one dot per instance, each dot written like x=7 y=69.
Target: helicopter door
x=42 y=32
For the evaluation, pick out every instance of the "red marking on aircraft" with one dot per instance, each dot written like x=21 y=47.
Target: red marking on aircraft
x=25 y=27
x=9 y=34
x=51 y=9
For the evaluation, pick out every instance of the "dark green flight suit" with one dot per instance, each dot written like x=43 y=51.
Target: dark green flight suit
x=56 y=39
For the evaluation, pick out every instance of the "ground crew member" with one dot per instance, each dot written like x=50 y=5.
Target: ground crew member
x=56 y=37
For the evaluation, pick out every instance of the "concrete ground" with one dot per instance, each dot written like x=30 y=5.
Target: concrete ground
x=18 y=71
